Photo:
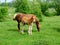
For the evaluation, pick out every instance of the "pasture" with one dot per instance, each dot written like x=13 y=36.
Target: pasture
x=47 y=11
x=49 y=33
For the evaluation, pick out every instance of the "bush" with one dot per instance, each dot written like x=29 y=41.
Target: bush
x=3 y=13
x=50 y=12
x=37 y=10
x=28 y=7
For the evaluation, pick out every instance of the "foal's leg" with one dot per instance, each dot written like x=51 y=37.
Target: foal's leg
x=18 y=26
x=30 y=29
x=22 y=31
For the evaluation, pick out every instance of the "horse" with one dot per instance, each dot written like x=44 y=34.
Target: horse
x=28 y=19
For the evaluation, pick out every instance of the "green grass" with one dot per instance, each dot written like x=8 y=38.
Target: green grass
x=48 y=35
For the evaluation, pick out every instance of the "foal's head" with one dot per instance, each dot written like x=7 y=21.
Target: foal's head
x=38 y=25
x=36 y=21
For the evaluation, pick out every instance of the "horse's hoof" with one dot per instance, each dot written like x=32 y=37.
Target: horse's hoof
x=22 y=32
x=18 y=30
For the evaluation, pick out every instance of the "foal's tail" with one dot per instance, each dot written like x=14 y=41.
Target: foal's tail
x=35 y=20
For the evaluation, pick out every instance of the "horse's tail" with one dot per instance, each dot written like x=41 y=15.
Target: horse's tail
x=35 y=20
x=14 y=17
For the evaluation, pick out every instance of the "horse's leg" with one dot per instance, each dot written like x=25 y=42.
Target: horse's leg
x=18 y=26
x=30 y=30
x=22 y=31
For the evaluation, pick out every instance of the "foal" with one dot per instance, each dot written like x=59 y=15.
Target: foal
x=26 y=19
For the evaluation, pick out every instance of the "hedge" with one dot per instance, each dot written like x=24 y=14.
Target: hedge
x=3 y=13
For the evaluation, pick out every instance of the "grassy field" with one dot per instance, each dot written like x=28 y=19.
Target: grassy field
x=48 y=35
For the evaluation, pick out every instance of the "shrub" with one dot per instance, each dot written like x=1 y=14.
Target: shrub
x=29 y=7
x=3 y=13
x=50 y=12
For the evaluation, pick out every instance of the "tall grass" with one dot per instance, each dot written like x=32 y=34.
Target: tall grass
x=48 y=35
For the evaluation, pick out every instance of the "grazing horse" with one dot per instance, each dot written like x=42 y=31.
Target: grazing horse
x=26 y=19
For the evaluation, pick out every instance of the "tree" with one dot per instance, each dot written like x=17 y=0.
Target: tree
x=5 y=2
x=57 y=6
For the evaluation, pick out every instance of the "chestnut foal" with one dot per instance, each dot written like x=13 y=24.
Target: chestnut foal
x=26 y=19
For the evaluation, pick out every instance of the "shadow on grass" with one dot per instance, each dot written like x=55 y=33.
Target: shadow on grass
x=12 y=30
x=24 y=30
x=57 y=29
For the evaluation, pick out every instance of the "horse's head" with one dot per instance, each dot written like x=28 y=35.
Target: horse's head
x=38 y=25
x=35 y=20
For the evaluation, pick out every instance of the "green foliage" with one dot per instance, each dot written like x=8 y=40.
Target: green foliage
x=44 y=6
x=50 y=12
x=37 y=10
x=3 y=13
x=57 y=6
x=29 y=7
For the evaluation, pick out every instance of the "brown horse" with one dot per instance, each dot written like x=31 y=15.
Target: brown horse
x=26 y=19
